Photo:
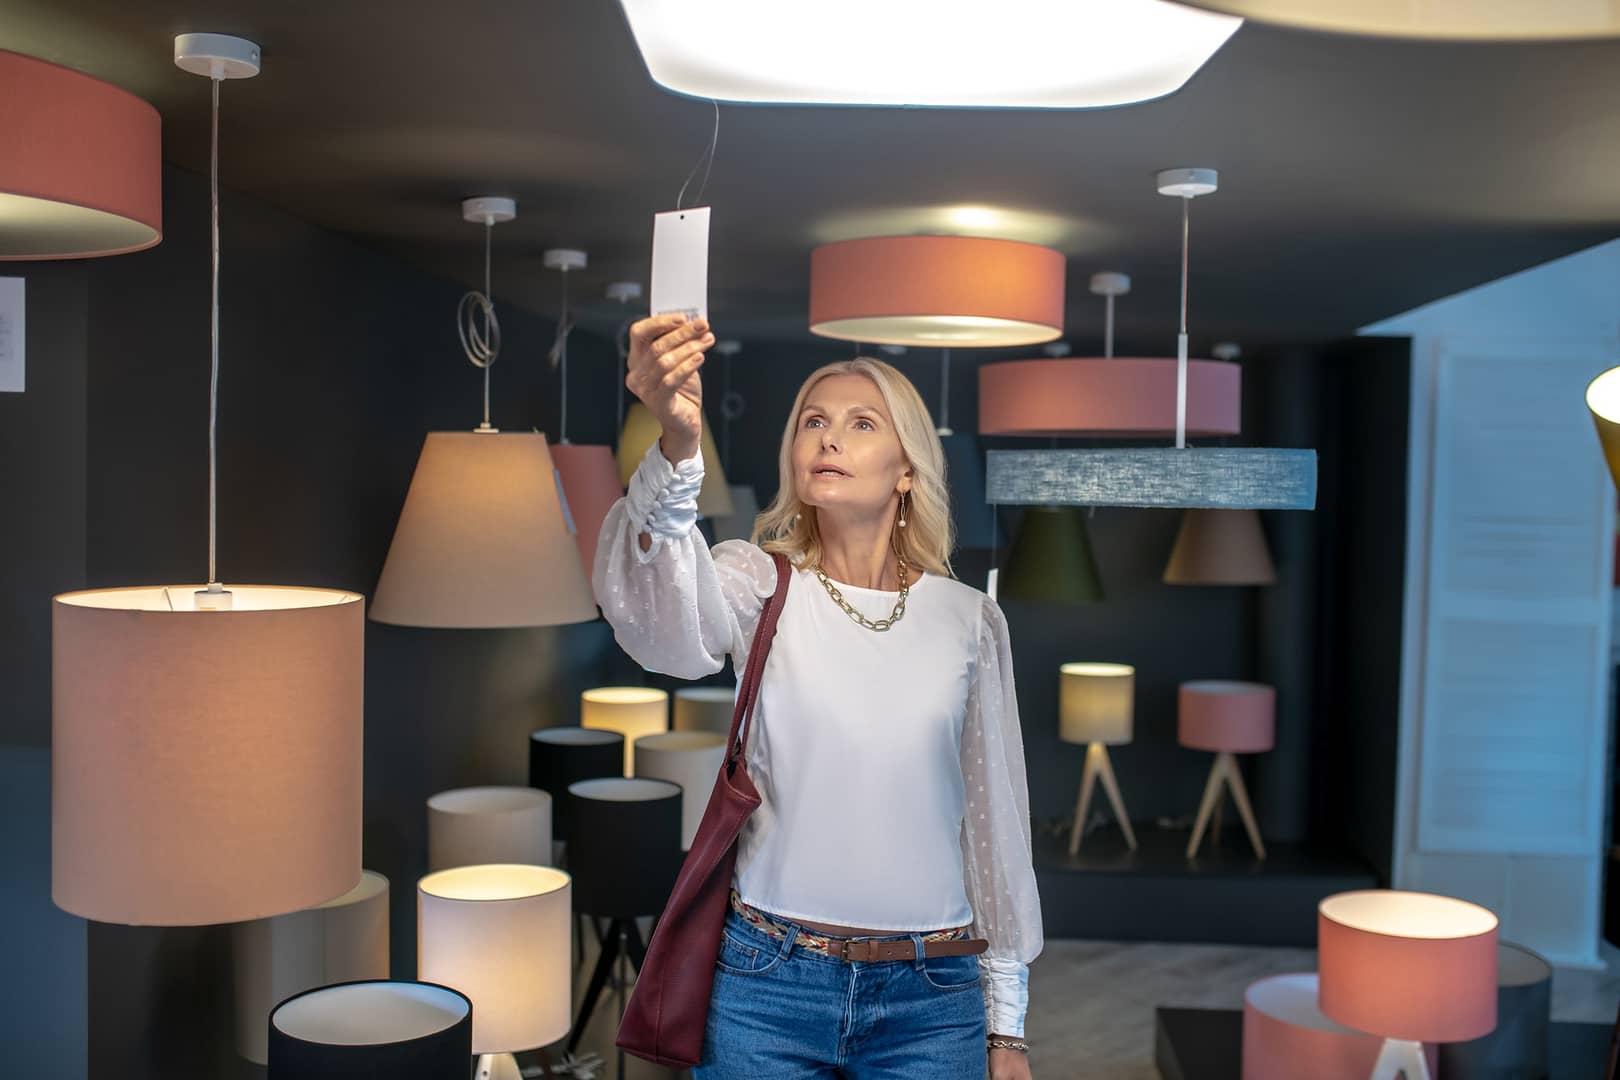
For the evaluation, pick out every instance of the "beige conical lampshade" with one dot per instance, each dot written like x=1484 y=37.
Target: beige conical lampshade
x=1220 y=547
x=481 y=542
x=205 y=765
x=641 y=430
x=590 y=483
x=1603 y=401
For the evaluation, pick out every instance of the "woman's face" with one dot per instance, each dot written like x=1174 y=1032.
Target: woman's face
x=846 y=453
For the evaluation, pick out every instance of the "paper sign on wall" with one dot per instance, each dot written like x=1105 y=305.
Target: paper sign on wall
x=680 y=263
x=12 y=334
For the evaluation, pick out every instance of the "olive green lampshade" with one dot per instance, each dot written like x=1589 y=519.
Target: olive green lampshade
x=641 y=430
x=1051 y=561
x=1603 y=399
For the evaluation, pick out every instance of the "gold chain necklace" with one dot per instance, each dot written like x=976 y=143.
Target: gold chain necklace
x=879 y=625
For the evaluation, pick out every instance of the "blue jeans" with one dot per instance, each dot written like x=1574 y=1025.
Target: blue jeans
x=784 y=1013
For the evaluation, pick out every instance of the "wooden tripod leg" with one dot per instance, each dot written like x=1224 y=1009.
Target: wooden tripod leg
x=1111 y=786
x=1240 y=795
x=1088 y=780
x=1212 y=793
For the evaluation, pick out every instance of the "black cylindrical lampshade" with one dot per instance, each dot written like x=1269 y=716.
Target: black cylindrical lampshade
x=1518 y=1047
x=372 y=1030
x=561 y=756
x=1051 y=561
x=624 y=847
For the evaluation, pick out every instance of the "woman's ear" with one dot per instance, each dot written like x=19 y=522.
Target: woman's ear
x=904 y=486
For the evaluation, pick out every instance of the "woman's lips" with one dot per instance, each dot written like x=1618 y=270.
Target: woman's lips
x=829 y=471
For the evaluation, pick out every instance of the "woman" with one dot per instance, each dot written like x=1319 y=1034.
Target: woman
x=885 y=747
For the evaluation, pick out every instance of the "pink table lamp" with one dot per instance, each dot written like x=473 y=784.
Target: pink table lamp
x=1228 y=718
x=1410 y=967
x=1286 y=1037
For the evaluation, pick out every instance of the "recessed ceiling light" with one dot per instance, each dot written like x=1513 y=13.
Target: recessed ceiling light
x=1052 y=54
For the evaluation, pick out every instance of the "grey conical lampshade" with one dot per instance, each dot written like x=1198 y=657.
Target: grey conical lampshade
x=977 y=525
x=1220 y=547
x=1051 y=560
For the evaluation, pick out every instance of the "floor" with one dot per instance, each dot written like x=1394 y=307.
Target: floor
x=1092 y=1002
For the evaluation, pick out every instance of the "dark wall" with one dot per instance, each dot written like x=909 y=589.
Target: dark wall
x=335 y=362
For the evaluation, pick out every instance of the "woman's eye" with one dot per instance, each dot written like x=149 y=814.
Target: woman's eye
x=814 y=421
x=865 y=425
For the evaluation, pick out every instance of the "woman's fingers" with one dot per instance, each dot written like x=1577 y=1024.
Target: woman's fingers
x=676 y=376
x=662 y=333
x=645 y=331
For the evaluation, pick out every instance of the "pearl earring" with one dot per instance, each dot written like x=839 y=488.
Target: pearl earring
x=902 y=521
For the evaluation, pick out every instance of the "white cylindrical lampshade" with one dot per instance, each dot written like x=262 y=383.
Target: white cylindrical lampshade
x=468 y=826
x=632 y=711
x=481 y=541
x=691 y=759
x=1408 y=965
x=1097 y=703
x=641 y=430
x=342 y=940
x=705 y=708
x=590 y=482
x=500 y=935
x=206 y=765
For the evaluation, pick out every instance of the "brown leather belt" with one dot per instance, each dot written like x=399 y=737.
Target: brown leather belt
x=865 y=951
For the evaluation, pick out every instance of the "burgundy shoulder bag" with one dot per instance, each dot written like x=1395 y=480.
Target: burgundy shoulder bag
x=669 y=1006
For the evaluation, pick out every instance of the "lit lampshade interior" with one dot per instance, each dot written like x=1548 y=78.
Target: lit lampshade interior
x=1463 y=20
x=1603 y=401
x=632 y=711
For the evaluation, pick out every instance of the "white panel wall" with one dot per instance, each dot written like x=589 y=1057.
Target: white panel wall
x=1504 y=725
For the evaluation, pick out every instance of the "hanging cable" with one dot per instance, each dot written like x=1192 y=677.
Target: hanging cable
x=945 y=392
x=706 y=156
x=481 y=340
x=559 y=358
x=213 y=380
x=1181 y=338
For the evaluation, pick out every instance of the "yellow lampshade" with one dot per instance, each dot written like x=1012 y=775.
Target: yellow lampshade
x=481 y=542
x=342 y=940
x=1603 y=399
x=501 y=935
x=1096 y=703
x=641 y=430
x=206 y=765
x=632 y=711
x=1220 y=547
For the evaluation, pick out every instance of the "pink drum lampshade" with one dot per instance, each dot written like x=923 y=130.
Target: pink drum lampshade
x=1408 y=965
x=1231 y=717
x=1108 y=396
x=590 y=483
x=1286 y=1037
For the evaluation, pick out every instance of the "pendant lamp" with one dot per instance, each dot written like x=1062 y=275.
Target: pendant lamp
x=641 y=430
x=482 y=541
x=1051 y=561
x=1439 y=20
x=206 y=742
x=82 y=171
x=1234 y=478
x=936 y=290
x=587 y=474
x=952 y=53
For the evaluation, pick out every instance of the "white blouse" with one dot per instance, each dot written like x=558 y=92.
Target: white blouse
x=890 y=766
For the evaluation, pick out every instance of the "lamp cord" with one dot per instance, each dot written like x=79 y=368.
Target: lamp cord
x=945 y=389
x=707 y=155
x=480 y=341
x=1181 y=338
x=559 y=358
x=213 y=381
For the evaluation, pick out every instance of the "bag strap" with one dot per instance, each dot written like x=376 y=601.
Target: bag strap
x=764 y=633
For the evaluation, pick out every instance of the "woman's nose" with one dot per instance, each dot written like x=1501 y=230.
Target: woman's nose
x=829 y=441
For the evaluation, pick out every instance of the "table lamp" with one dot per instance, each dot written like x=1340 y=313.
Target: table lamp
x=1096 y=704
x=340 y=941
x=401 y=1030
x=469 y=826
x=1411 y=968
x=1286 y=1037
x=1226 y=718
x=705 y=708
x=500 y=934
x=632 y=711
x=691 y=759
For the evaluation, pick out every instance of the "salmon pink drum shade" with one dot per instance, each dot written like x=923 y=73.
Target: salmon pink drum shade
x=1286 y=1037
x=1108 y=397
x=205 y=765
x=936 y=290
x=82 y=170
x=1234 y=717
x=1407 y=965
x=590 y=483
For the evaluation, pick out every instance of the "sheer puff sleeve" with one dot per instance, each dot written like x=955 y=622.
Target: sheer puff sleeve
x=998 y=867
x=676 y=607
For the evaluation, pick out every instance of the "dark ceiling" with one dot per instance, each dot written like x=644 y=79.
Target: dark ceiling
x=1360 y=177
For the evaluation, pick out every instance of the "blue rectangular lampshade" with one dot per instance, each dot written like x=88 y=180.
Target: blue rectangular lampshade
x=1214 y=477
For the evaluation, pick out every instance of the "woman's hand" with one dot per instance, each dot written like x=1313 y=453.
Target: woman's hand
x=1009 y=1065
x=666 y=352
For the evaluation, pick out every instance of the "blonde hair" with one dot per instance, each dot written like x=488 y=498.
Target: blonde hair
x=789 y=526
